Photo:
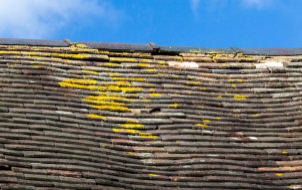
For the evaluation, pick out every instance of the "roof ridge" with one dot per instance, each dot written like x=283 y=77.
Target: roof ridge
x=152 y=47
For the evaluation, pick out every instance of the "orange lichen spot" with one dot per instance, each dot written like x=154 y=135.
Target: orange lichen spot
x=131 y=125
x=234 y=85
x=284 y=152
x=37 y=67
x=240 y=80
x=239 y=97
x=155 y=175
x=90 y=72
x=201 y=125
x=218 y=118
x=279 y=174
x=96 y=116
x=206 y=120
x=155 y=95
x=256 y=115
x=131 y=153
x=174 y=105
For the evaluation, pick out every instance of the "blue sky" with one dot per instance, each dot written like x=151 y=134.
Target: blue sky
x=207 y=23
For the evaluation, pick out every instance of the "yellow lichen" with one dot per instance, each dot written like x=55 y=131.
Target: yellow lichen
x=81 y=45
x=155 y=95
x=109 y=64
x=132 y=120
x=154 y=175
x=192 y=83
x=132 y=131
x=109 y=99
x=90 y=72
x=69 y=82
x=201 y=125
x=256 y=115
x=128 y=79
x=239 y=97
x=151 y=70
x=174 y=105
x=119 y=59
x=147 y=135
x=131 y=125
x=143 y=64
x=96 y=116
x=110 y=107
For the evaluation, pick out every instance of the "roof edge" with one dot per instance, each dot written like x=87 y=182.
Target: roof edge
x=152 y=47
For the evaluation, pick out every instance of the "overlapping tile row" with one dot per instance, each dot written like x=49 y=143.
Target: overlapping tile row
x=81 y=118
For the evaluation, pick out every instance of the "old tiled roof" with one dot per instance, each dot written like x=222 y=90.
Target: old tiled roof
x=143 y=116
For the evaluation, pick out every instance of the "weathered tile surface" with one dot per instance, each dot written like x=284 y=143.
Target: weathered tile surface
x=75 y=117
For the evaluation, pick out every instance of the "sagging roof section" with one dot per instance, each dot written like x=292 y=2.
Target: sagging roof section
x=77 y=117
x=152 y=47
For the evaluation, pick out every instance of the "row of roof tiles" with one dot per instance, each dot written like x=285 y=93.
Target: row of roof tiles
x=152 y=47
x=82 y=119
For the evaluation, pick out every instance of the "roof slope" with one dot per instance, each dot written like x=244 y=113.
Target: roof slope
x=75 y=117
